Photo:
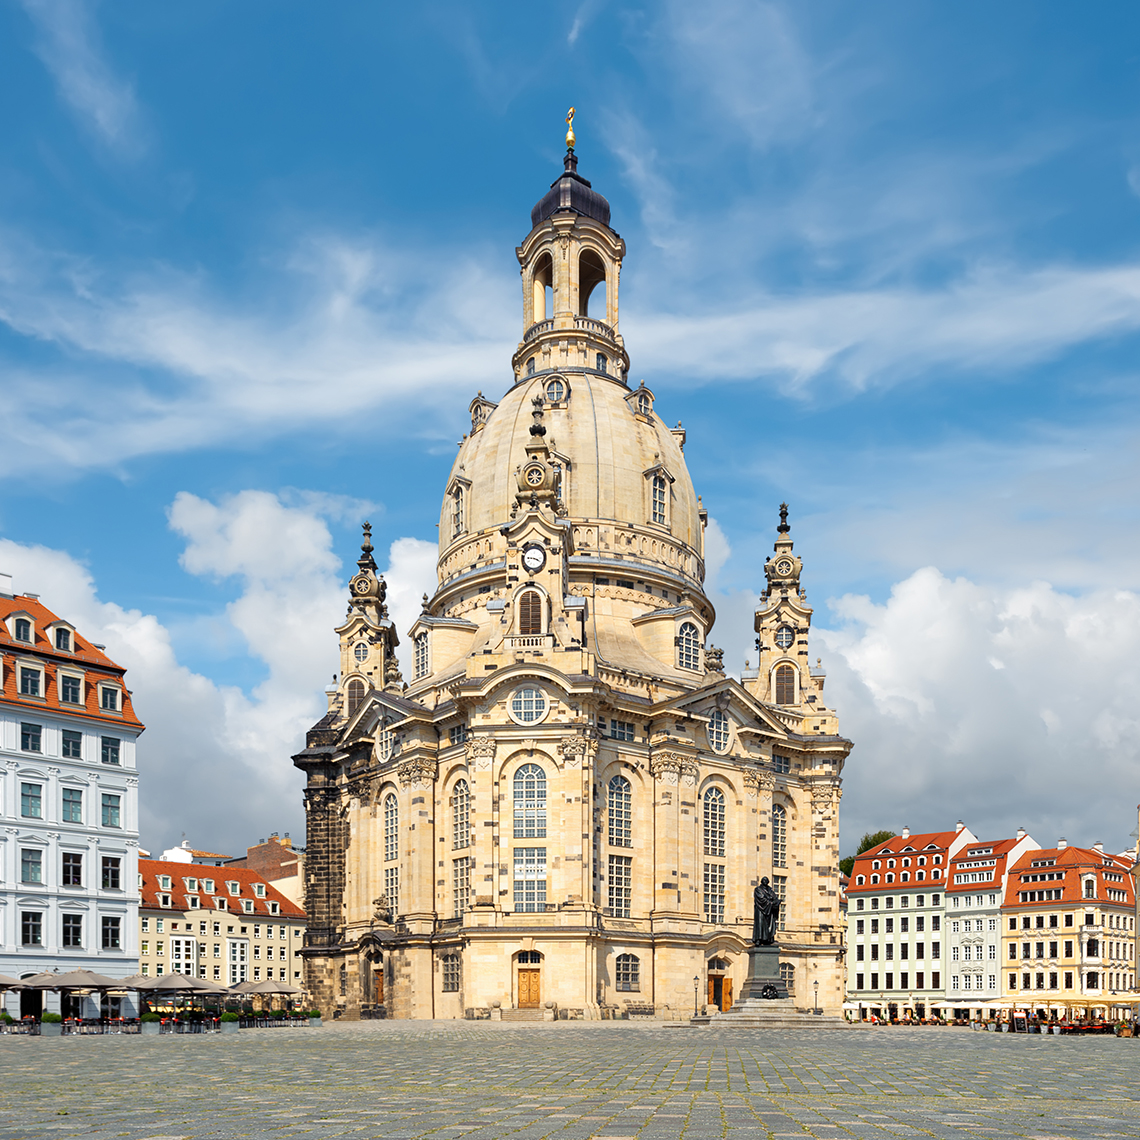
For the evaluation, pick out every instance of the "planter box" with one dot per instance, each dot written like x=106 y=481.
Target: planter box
x=150 y=1027
x=314 y=1023
x=228 y=1027
x=51 y=1029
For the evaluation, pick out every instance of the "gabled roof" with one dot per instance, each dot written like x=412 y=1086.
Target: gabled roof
x=1069 y=866
x=150 y=869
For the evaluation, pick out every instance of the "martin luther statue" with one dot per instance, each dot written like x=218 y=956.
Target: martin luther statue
x=765 y=911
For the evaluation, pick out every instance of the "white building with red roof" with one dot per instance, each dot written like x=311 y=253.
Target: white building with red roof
x=895 y=907
x=68 y=801
x=226 y=924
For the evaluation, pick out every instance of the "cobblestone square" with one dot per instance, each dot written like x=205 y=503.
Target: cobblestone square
x=480 y=1081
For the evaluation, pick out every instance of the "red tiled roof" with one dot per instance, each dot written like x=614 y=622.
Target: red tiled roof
x=927 y=843
x=1073 y=864
x=999 y=852
x=150 y=869
x=96 y=664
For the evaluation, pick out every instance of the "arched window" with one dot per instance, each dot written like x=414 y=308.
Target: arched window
x=779 y=836
x=627 y=973
x=788 y=976
x=385 y=743
x=457 y=523
x=530 y=367
x=603 y=362
x=530 y=802
x=659 y=499
x=555 y=391
x=714 y=822
x=461 y=814
x=785 y=685
x=591 y=273
x=644 y=404
x=23 y=629
x=688 y=647
x=421 y=655
x=391 y=827
x=355 y=694
x=621 y=802
x=717 y=731
x=530 y=613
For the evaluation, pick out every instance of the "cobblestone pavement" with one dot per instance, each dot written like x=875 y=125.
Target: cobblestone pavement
x=617 y=1081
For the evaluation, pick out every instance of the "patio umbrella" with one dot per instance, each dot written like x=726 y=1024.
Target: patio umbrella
x=42 y=981
x=273 y=988
x=7 y=983
x=243 y=987
x=83 y=980
x=181 y=984
x=134 y=982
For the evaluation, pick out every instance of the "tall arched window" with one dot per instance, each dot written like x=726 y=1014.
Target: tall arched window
x=779 y=836
x=461 y=814
x=457 y=523
x=714 y=822
x=785 y=685
x=659 y=498
x=355 y=694
x=688 y=647
x=627 y=973
x=421 y=655
x=391 y=827
x=530 y=802
x=530 y=613
x=717 y=731
x=620 y=805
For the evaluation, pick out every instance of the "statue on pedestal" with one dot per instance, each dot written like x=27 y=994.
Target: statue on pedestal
x=765 y=912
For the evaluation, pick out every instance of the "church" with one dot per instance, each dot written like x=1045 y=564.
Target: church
x=564 y=811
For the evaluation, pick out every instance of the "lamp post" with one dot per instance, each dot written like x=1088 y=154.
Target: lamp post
x=815 y=986
x=696 y=990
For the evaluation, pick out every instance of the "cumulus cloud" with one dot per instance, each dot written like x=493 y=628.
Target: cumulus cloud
x=68 y=43
x=1005 y=707
x=215 y=760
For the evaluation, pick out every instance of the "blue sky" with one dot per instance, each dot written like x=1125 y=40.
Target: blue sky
x=883 y=261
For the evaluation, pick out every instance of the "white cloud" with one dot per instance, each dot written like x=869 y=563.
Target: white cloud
x=1046 y=742
x=411 y=573
x=68 y=43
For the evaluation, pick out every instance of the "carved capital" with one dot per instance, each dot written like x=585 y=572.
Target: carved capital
x=417 y=773
x=480 y=752
x=757 y=782
x=674 y=768
x=824 y=796
x=576 y=750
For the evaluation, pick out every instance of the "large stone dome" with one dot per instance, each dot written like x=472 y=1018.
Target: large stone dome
x=609 y=445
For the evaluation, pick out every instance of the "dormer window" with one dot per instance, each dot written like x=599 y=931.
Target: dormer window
x=70 y=689
x=192 y=902
x=164 y=882
x=274 y=908
x=247 y=905
x=23 y=631
x=688 y=647
x=221 y=904
x=63 y=640
x=660 y=498
x=191 y=884
x=233 y=888
x=420 y=663
x=644 y=403
x=108 y=698
x=208 y=886
x=876 y=865
x=31 y=682
x=164 y=900
x=259 y=890
x=457 y=512
x=555 y=392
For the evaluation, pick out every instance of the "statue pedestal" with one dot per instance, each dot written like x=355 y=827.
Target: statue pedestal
x=763 y=979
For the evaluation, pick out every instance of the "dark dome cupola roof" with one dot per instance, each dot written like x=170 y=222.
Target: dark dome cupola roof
x=571 y=192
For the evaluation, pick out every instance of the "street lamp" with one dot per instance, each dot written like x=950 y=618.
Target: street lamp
x=696 y=990
x=815 y=984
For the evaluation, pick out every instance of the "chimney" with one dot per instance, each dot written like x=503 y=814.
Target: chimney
x=906 y=833
x=1062 y=843
x=286 y=841
x=6 y=585
x=1098 y=847
x=1021 y=833
x=959 y=826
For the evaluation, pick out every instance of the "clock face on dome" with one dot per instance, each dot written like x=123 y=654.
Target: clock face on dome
x=784 y=566
x=534 y=558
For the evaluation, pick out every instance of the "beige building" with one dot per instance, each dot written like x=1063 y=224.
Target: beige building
x=567 y=807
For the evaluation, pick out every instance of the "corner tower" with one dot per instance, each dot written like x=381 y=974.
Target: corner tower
x=565 y=810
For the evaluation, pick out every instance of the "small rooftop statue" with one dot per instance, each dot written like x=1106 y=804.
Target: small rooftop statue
x=570 y=129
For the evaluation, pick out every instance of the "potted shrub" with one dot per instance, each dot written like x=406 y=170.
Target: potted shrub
x=314 y=1017
x=229 y=1022
x=51 y=1025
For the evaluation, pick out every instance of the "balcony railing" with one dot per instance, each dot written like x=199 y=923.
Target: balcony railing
x=598 y=328
x=537 y=328
x=531 y=641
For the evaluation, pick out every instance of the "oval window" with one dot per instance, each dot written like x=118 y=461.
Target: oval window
x=528 y=706
x=555 y=390
x=360 y=652
x=785 y=635
x=718 y=731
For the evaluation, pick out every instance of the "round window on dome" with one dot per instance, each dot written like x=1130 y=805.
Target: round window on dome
x=717 y=731
x=785 y=635
x=534 y=476
x=555 y=391
x=361 y=651
x=528 y=706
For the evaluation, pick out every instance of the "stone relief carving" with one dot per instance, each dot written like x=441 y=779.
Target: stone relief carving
x=756 y=782
x=417 y=773
x=674 y=768
x=576 y=749
x=480 y=752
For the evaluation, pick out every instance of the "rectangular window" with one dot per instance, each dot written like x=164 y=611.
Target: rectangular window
x=874 y=952
x=859 y=952
x=111 y=810
x=72 y=869
x=859 y=982
x=936 y=949
x=1068 y=979
x=874 y=981
x=935 y=980
x=620 y=885
x=920 y=949
x=31 y=801
x=72 y=745
x=111 y=867
x=110 y=750
x=890 y=981
x=782 y=764
x=780 y=886
x=73 y=930
x=31 y=737
x=31 y=928
x=1052 y=949
x=627 y=973
x=1053 y=979
x=530 y=879
x=29 y=682
x=109 y=699
x=392 y=889
x=451 y=966
x=714 y=892
x=954 y=982
x=70 y=690
x=458 y=734
x=72 y=805
x=31 y=866
x=621 y=730
x=1068 y=949
x=460 y=885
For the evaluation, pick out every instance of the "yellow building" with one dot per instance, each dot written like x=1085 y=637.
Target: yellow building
x=566 y=809
x=1069 y=928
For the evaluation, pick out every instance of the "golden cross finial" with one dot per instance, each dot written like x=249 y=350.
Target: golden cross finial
x=570 y=129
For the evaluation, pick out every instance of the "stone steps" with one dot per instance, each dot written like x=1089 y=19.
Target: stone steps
x=522 y=1014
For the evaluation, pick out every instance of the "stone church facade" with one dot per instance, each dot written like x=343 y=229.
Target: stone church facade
x=566 y=807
